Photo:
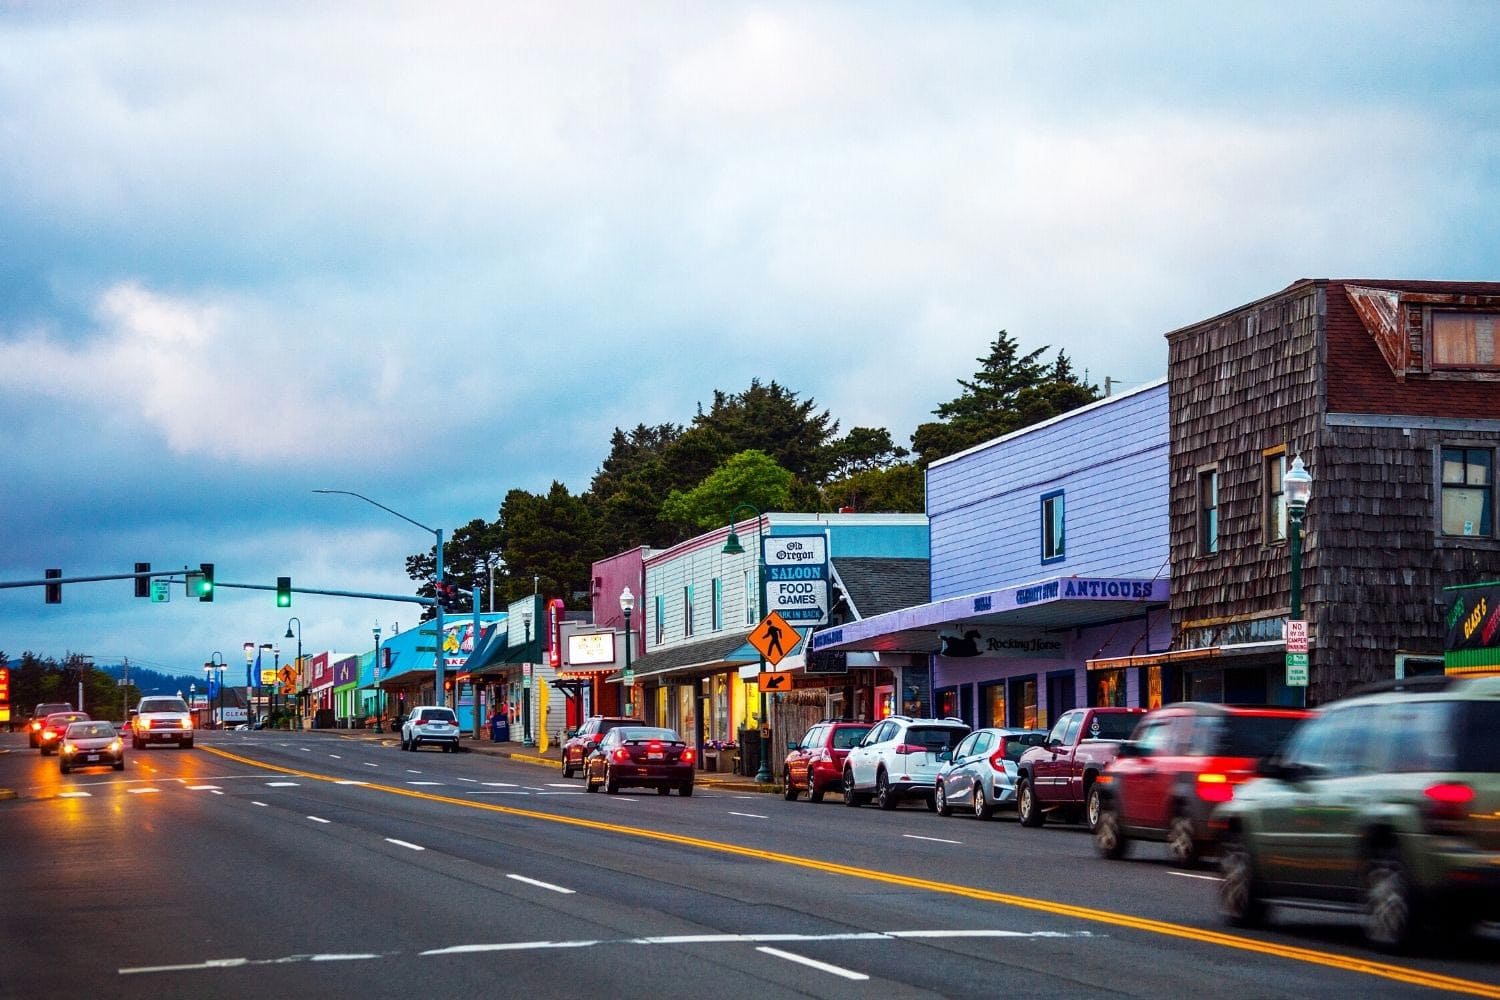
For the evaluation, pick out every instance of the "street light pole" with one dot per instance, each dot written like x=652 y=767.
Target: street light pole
x=249 y=683
x=300 y=684
x=1298 y=486
x=627 y=679
x=526 y=683
x=375 y=675
x=733 y=547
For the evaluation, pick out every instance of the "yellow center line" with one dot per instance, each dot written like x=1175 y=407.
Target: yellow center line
x=1370 y=967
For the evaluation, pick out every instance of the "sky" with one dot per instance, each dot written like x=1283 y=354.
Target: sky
x=432 y=252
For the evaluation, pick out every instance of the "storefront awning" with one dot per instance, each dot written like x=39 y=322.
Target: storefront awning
x=693 y=657
x=1201 y=656
x=1059 y=603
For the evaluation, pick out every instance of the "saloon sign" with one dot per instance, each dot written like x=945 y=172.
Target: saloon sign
x=796 y=577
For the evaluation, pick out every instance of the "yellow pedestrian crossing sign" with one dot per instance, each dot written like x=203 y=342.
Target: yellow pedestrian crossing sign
x=774 y=638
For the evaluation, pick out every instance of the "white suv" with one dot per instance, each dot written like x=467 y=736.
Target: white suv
x=162 y=720
x=899 y=758
x=433 y=724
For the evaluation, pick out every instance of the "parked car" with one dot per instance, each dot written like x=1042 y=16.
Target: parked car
x=91 y=744
x=641 y=756
x=160 y=719
x=1385 y=804
x=980 y=774
x=49 y=738
x=39 y=719
x=1182 y=761
x=1056 y=777
x=899 y=758
x=582 y=743
x=815 y=764
x=434 y=724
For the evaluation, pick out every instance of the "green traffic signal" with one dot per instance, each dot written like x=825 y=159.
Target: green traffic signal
x=206 y=582
x=283 y=591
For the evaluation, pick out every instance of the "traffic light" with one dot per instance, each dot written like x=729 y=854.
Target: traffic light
x=142 y=583
x=54 y=590
x=448 y=595
x=283 y=591
x=206 y=582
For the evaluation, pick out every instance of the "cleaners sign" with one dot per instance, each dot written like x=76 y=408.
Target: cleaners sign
x=796 y=569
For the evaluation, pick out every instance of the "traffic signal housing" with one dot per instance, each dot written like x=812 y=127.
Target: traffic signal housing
x=206 y=582
x=448 y=595
x=142 y=583
x=283 y=591
x=53 y=593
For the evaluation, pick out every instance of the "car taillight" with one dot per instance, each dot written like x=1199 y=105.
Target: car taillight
x=1448 y=803
x=654 y=746
x=688 y=756
x=911 y=748
x=997 y=759
x=1215 y=787
x=622 y=755
x=36 y=725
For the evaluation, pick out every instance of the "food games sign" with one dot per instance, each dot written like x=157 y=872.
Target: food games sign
x=796 y=577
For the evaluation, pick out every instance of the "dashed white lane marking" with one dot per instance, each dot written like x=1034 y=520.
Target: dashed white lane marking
x=748 y=815
x=935 y=840
x=336 y=756
x=402 y=843
x=202 y=788
x=261 y=804
x=319 y=819
x=424 y=782
x=305 y=749
x=541 y=885
x=562 y=784
x=499 y=791
x=499 y=784
x=576 y=791
x=472 y=781
x=281 y=784
x=410 y=771
x=533 y=788
x=351 y=781
x=812 y=963
x=1208 y=878
x=75 y=795
x=368 y=764
x=141 y=791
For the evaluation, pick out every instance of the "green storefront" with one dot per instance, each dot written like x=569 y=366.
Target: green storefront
x=1473 y=646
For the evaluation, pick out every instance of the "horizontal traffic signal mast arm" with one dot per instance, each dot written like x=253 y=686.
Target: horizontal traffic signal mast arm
x=408 y=598
x=177 y=576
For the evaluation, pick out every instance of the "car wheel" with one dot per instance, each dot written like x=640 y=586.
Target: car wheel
x=1092 y=806
x=884 y=797
x=788 y=790
x=611 y=784
x=120 y=764
x=135 y=743
x=1109 y=839
x=1388 y=902
x=686 y=790
x=1028 y=810
x=982 y=809
x=1181 y=843
x=187 y=745
x=814 y=793
x=567 y=768
x=588 y=780
x=1240 y=903
x=851 y=797
x=940 y=800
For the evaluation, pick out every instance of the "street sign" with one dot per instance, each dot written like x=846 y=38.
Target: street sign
x=774 y=638
x=161 y=591
x=1295 y=634
x=1296 y=670
x=773 y=681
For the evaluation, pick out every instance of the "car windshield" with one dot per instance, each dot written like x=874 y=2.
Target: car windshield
x=645 y=733
x=1479 y=737
x=84 y=730
x=164 y=705
x=936 y=738
x=1112 y=726
x=848 y=737
x=1255 y=736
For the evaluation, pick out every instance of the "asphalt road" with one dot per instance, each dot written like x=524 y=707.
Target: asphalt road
x=288 y=865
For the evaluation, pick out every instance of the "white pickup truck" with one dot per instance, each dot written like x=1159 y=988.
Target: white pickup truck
x=161 y=720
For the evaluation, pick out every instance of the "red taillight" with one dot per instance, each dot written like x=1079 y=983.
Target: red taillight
x=997 y=759
x=1450 y=793
x=911 y=748
x=622 y=755
x=688 y=756
x=1215 y=787
x=1447 y=804
x=654 y=746
x=36 y=725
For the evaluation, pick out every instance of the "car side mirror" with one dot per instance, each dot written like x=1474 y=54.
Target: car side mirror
x=791 y=744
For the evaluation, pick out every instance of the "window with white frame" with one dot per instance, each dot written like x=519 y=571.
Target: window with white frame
x=717 y=611
x=1208 y=512
x=1275 y=526
x=1468 y=488
x=1053 y=540
x=750 y=618
x=661 y=625
x=687 y=610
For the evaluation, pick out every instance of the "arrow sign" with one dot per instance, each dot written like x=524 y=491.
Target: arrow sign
x=773 y=681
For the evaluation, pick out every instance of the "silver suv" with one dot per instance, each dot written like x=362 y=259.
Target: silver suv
x=899 y=758
x=434 y=724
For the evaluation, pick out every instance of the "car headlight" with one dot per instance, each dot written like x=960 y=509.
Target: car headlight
x=116 y=746
x=68 y=747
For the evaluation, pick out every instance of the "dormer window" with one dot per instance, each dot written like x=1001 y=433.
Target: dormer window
x=1464 y=340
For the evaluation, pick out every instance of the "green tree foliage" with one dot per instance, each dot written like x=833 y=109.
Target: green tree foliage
x=862 y=450
x=553 y=537
x=897 y=489
x=1011 y=390
x=770 y=418
x=751 y=477
x=34 y=680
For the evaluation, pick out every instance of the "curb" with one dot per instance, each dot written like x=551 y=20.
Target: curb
x=7 y=793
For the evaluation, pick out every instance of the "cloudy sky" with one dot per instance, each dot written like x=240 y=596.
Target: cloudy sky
x=431 y=252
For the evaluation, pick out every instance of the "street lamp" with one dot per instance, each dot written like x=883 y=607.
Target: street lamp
x=437 y=578
x=249 y=681
x=208 y=680
x=193 y=701
x=627 y=679
x=1298 y=484
x=526 y=683
x=375 y=675
x=732 y=547
x=300 y=684
x=271 y=699
x=216 y=661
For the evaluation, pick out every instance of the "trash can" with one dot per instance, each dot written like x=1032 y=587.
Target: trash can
x=749 y=751
x=499 y=729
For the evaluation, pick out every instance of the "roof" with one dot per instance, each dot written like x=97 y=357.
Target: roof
x=877 y=585
x=694 y=655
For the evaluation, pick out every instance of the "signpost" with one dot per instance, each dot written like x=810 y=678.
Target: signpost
x=1295 y=634
x=775 y=681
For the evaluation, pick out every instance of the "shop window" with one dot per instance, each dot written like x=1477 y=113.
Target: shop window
x=1061 y=692
x=992 y=705
x=1464 y=340
x=1023 y=703
x=1107 y=688
x=1468 y=491
x=718 y=605
x=1208 y=512
x=1275 y=493
x=687 y=610
x=1053 y=540
x=947 y=702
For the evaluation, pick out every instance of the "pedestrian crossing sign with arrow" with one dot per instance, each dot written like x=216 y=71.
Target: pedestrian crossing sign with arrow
x=774 y=638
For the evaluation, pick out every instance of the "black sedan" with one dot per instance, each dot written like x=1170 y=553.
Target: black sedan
x=640 y=756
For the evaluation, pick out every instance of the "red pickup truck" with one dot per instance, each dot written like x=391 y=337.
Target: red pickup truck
x=1058 y=776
